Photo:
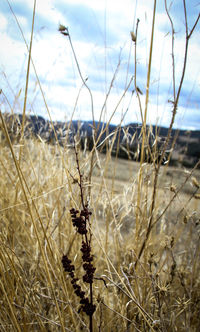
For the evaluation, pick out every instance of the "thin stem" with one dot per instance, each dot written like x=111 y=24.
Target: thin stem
x=144 y=124
x=194 y=26
x=135 y=74
x=109 y=90
x=80 y=183
x=27 y=74
x=148 y=84
x=64 y=30
x=91 y=302
x=172 y=41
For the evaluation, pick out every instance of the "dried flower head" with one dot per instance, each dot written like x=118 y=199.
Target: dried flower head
x=173 y=188
x=133 y=36
x=195 y=182
x=63 y=29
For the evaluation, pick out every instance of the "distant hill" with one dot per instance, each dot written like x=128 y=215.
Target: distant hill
x=186 y=150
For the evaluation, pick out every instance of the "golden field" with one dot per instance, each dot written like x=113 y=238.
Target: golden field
x=39 y=185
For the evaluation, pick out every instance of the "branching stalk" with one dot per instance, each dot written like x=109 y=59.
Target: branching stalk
x=175 y=106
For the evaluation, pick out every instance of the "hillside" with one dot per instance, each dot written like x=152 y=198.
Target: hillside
x=186 y=150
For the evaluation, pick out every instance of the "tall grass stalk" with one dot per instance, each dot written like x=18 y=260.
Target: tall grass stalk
x=144 y=123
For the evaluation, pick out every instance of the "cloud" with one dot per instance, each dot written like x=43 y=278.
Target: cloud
x=100 y=31
x=9 y=63
x=3 y=22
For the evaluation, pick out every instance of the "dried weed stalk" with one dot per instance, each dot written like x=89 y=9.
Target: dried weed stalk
x=81 y=222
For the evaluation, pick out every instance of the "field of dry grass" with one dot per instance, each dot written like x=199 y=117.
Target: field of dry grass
x=89 y=242
x=121 y=177
x=161 y=293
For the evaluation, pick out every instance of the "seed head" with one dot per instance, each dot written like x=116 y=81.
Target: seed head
x=195 y=183
x=133 y=36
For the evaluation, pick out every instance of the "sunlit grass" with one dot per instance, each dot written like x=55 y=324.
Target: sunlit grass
x=167 y=272
x=144 y=226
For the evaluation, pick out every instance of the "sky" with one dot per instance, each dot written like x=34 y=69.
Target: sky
x=100 y=35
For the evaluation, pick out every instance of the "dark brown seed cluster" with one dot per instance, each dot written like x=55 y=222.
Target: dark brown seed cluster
x=87 y=266
x=79 y=220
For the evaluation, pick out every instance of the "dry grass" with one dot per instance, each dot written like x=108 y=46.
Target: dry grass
x=162 y=293
x=145 y=227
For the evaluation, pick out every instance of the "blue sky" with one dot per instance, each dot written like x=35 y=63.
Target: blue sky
x=100 y=33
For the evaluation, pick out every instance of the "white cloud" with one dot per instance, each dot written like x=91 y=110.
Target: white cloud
x=3 y=22
x=12 y=54
x=46 y=8
x=56 y=66
x=22 y=21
